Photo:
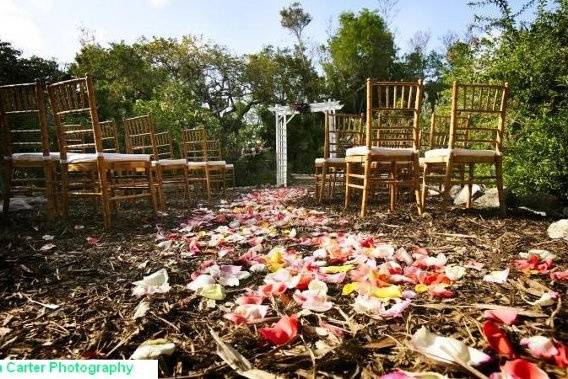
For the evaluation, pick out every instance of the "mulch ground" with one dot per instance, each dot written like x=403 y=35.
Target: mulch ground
x=74 y=300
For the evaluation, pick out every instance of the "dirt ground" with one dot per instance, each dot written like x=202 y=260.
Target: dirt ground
x=74 y=299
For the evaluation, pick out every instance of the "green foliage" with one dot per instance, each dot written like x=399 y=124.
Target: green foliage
x=15 y=69
x=533 y=58
x=362 y=48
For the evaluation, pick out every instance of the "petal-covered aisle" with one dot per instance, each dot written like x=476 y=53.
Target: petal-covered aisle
x=270 y=284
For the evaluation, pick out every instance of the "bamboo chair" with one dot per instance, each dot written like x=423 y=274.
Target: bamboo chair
x=473 y=142
x=25 y=143
x=438 y=137
x=392 y=134
x=214 y=154
x=108 y=177
x=342 y=131
x=169 y=172
x=194 y=149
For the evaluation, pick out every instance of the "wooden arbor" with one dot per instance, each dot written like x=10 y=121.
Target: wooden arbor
x=284 y=114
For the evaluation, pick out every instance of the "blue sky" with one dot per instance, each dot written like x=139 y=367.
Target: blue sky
x=50 y=28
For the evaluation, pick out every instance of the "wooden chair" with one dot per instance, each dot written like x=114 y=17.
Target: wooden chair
x=109 y=137
x=342 y=131
x=25 y=143
x=392 y=134
x=194 y=149
x=479 y=141
x=92 y=172
x=170 y=172
x=214 y=153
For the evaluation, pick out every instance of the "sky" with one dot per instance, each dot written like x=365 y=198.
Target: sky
x=51 y=28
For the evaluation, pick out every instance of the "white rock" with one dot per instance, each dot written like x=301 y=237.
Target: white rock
x=17 y=204
x=558 y=229
x=461 y=197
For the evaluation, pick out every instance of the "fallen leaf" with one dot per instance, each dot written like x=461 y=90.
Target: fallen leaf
x=153 y=349
x=141 y=309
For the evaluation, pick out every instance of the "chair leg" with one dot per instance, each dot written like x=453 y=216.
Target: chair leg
x=208 y=183
x=224 y=179
x=469 y=184
x=499 y=180
x=333 y=181
x=186 y=183
x=414 y=183
x=65 y=191
x=316 y=177
x=154 y=187
x=8 y=172
x=447 y=180
x=364 y=199
x=105 y=197
x=49 y=190
x=322 y=182
x=347 y=184
x=424 y=189
x=392 y=187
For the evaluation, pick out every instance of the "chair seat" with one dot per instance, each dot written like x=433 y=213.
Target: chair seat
x=33 y=157
x=110 y=157
x=384 y=151
x=440 y=153
x=209 y=163
x=230 y=166
x=320 y=161
x=169 y=162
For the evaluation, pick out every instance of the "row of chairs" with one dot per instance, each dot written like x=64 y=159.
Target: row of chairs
x=89 y=163
x=381 y=149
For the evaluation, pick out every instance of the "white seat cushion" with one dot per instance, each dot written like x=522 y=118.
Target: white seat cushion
x=33 y=157
x=110 y=157
x=385 y=151
x=169 y=162
x=437 y=153
x=230 y=166
x=208 y=163
x=329 y=160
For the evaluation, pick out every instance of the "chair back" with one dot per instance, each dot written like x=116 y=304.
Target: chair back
x=342 y=131
x=214 y=150
x=140 y=135
x=439 y=134
x=74 y=110
x=109 y=132
x=194 y=145
x=23 y=120
x=164 y=145
x=393 y=114
x=486 y=104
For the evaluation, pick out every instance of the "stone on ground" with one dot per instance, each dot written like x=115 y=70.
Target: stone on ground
x=558 y=229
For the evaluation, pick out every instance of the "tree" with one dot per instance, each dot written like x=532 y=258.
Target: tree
x=295 y=20
x=362 y=48
x=15 y=69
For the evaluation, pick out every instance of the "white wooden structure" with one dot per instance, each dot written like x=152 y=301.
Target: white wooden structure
x=284 y=114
